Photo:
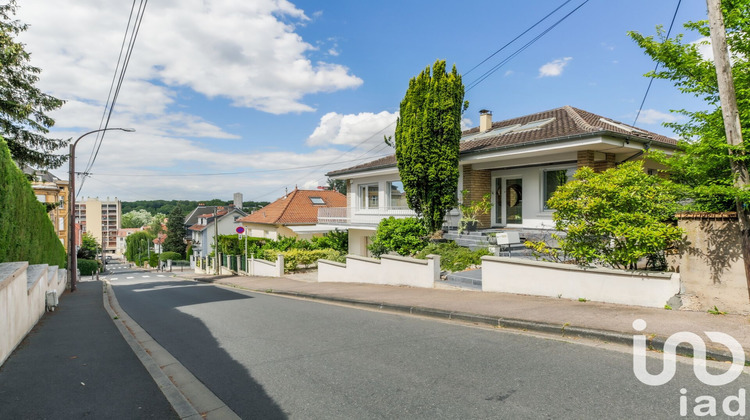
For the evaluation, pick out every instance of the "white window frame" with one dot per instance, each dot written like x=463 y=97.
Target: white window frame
x=389 y=197
x=363 y=195
x=570 y=170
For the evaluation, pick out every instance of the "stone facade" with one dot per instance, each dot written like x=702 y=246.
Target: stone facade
x=598 y=161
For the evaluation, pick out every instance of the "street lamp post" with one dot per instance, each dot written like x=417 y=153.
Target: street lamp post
x=72 y=257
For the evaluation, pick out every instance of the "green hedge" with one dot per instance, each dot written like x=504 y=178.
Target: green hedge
x=88 y=267
x=169 y=255
x=153 y=260
x=26 y=231
x=300 y=258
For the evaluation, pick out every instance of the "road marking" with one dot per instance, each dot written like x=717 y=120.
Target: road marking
x=129 y=278
x=113 y=278
x=160 y=275
x=145 y=276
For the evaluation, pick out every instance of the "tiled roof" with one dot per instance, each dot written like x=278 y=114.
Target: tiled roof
x=197 y=227
x=563 y=123
x=295 y=208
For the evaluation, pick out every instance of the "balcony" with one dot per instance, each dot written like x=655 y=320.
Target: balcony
x=360 y=217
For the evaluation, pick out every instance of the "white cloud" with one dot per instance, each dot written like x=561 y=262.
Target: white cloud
x=704 y=48
x=466 y=123
x=363 y=129
x=554 y=67
x=508 y=73
x=652 y=116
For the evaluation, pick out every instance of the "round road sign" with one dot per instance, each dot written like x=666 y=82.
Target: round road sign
x=240 y=230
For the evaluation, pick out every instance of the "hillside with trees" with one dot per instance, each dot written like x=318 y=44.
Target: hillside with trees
x=167 y=206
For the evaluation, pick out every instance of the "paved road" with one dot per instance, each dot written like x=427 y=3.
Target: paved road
x=272 y=357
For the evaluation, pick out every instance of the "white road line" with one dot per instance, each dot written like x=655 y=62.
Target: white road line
x=129 y=278
x=113 y=278
x=160 y=275
x=145 y=277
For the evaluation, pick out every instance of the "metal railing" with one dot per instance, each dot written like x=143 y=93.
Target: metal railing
x=349 y=216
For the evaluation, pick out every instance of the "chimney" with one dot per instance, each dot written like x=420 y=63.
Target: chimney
x=238 y=200
x=485 y=120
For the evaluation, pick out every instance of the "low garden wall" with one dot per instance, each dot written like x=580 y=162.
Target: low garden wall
x=23 y=290
x=390 y=270
x=512 y=275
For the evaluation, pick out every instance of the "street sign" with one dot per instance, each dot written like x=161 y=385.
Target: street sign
x=240 y=230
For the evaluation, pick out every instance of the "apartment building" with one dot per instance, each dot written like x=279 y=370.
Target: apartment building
x=53 y=192
x=101 y=219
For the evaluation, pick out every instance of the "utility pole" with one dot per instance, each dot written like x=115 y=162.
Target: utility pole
x=216 y=240
x=732 y=125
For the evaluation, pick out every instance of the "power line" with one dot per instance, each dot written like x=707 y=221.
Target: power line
x=656 y=67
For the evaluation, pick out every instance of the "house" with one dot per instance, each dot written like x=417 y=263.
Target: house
x=223 y=221
x=520 y=162
x=53 y=192
x=122 y=235
x=293 y=215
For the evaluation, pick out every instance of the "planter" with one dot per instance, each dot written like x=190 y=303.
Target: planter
x=492 y=240
x=468 y=225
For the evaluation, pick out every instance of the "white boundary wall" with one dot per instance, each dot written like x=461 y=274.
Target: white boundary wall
x=390 y=270
x=265 y=268
x=23 y=290
x=512 y=275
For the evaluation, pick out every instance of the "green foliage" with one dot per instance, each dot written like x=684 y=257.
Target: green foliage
x=89 y=247
x=26 y=232
x=156 y=226
x=137 y=245
x=705 y=163
x=295 y=259
x=616 y=217
x=23 y=107
x=136 y=219
x=189 y=252
x=335 y=239
x=153 y=260
x=166 y=206
x=338 y=185
x=471 y=210
x=169 y=255
x=405 y=236
x=452 y=256
x=175 y=240
x=88 y=267
x=427 y=137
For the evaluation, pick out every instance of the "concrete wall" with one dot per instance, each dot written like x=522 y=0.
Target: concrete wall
x=512 y=275
x=390 y=270
x=358 y=238
x=710 y=263
x=263 y=268
x=23 y=290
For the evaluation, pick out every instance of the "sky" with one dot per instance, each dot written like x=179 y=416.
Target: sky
x=261 y=96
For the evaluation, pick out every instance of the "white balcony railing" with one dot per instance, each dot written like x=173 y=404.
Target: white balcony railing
x=349 y=216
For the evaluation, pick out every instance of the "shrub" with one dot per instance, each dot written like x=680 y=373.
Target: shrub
x=88 y=267
x=452 y=256
x=295 y=259
x=169 y=255
x=616 y=217
x=404 y=236
x=336 y=239
x=153 y=260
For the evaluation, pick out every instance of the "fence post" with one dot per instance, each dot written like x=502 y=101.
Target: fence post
x=280 y=264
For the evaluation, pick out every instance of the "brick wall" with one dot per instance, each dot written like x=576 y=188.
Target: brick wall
x=478 y=183
x=589 y=158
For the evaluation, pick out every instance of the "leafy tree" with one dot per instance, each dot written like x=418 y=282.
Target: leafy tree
x=175 y=240
x=428 y=133
x=136 y=218
x=155 y=226
x=137 y=245
x=705 y=162
x=23 y=107
x=337 y=185
x=89 y=247
x=405 y=236
x=616 y=217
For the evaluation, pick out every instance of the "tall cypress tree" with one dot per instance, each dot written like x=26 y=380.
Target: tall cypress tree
x=23 y=107
x=175 y=241
x=428 y=134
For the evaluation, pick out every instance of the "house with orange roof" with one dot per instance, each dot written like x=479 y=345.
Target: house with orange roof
x=222 y=221
x=293 y=215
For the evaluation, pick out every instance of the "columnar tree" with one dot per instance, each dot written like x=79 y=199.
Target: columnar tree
x=23 y=107
x=428 y=133
x=175 y=240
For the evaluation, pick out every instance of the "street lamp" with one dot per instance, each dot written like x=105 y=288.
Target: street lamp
x=72 y=257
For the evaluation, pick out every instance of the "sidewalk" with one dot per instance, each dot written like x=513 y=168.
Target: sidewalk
x=75 y=363
x=601 y=321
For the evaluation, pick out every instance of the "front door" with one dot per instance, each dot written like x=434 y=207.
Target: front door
x=508 y=201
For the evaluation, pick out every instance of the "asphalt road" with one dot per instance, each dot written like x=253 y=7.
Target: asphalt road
x=273 y=357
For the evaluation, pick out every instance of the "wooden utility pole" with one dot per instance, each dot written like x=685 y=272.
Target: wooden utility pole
x=731 y=116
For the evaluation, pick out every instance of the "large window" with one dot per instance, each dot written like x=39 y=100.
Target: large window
x=554 y=179
x=397 y=195
x=368 y=196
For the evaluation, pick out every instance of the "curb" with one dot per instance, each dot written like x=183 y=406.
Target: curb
x=653 y=342
x=189 y=398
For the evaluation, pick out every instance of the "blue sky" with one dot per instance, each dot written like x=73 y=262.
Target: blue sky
x=257 y=96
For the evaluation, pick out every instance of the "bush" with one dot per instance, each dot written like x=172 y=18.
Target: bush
x=295 y=259
x=169 y=255
x=452 y=256
x=336 y=239
x=404 y=236
x=88 y=267
x=26 y=232
x=616 y=217
x=153 y=260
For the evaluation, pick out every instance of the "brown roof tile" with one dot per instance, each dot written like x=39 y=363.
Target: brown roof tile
x=295 y=208
x=565 y=122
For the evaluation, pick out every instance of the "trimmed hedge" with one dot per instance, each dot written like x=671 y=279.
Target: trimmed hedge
x=88 y=267
x=300 y=258
x=26 y=232
x=169 y=255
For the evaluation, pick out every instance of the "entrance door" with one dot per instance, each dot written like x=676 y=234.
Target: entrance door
x=508 y=201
